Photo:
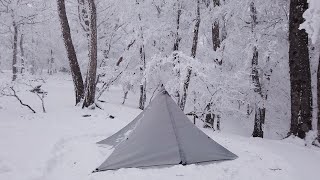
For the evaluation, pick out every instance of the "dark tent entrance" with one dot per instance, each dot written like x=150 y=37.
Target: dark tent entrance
x=161 y=135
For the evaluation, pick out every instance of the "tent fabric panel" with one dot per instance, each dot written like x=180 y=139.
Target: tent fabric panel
x=195 y=144
x=151 y=143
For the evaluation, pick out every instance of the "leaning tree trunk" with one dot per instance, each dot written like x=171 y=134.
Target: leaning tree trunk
x=73 y=62
x=15 y=51
x=186 y=82
x=300 y=76
x=92 y=69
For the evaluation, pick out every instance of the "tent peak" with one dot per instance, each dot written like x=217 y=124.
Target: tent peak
x=163 y=90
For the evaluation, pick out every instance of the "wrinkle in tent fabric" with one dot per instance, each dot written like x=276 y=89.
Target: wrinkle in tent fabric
x=161 y=135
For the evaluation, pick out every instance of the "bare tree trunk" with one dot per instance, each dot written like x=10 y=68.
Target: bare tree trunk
x=15 y=51
x=215 y=35
x=196 y=32
x=258 y=121
x=318 y=99
x=143 y=83
x=92 y=69
x=193 y=54
x=177 y=37
x=73 y=62
x=218 y=122
x=176 y=47
x=216 y=29
x=51 y=63
x=300 y=76
x=22 y=54
x=259 y=117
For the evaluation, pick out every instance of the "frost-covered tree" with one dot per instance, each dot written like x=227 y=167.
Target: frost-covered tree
x=312 y=26
x=15 y=16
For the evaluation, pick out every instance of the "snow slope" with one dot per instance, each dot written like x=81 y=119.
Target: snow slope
x=60 y=145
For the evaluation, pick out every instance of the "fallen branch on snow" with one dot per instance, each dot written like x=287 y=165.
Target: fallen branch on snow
x=17 y=97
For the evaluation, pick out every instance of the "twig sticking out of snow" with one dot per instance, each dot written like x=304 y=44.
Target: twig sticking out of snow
x=17 y=97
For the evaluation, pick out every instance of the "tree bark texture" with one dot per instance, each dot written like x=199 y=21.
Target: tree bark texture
x=143 y=83
x=215 y=35
x=215 y=29
x=92 y=68
x=15 y=51
x=71 y=53
x=176 y=47
x=300 y=76
x=318 y=100
x=259 y=117
x=22 y=54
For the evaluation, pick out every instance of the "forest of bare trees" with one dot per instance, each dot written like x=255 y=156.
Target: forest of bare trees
x=244 y=60
x=159 y=89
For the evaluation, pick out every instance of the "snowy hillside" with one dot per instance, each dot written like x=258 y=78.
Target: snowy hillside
x=60 y=144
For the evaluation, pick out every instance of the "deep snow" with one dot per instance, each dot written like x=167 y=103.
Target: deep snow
x=60 y=144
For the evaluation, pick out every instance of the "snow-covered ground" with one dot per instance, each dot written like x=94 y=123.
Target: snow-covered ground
x=60 y=144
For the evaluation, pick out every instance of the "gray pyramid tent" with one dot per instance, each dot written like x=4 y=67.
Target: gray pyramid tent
x=161 y=135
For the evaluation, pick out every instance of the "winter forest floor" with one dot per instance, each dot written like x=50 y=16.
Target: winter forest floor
x=60 y=144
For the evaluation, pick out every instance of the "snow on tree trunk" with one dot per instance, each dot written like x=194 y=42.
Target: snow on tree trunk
x=22 y=54
x=73 y=62
x=51 y=63
x=186 y=82
x=15 y=51
x=143 y=84
x=216 y=29
x=218 y=122
x=215 y=35
x=90 y=90
x=300 y=76
x=176 y=47
x=196 y=32
x=259 y=116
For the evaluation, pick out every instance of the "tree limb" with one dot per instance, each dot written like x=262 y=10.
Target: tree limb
x=17 y=97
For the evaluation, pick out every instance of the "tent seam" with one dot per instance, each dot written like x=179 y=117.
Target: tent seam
x=181 y=153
